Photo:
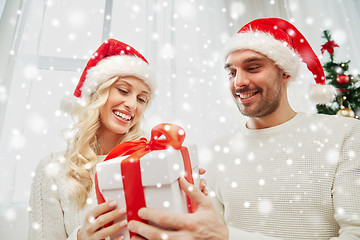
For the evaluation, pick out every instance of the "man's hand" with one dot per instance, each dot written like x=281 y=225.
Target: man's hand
x=203 y=224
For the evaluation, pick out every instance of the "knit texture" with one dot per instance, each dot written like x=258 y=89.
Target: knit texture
x=298 y=180
x=54 y=214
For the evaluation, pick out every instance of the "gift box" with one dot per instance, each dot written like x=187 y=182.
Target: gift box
x=145 y=173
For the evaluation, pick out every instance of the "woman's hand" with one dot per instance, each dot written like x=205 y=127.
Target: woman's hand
x=94 y=226
x=203 y=182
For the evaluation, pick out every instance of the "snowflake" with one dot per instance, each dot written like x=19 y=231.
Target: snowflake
x=237 y=161
x=10 y=214
x=332 y=156
x=167 y=51
x=17 y=140
x=261 y=182
x=339 y=36
x=36 y=123
x=53 y=187
x=340 y=211
x=164 y=236
x=221 y=167
x=222 y=119
x=52 y=169
x=265 y=207
x=3 y=94
x=166 y=204
x=89 y=201
x=237 y=10
x=135 y=8
x=351 y=154
x=251 y=156
x=186 y=107
x=176 y=166
x=36 y=226
x=76 y=18
x=30 y=71
x=186 y=10
x=117 y=176
x=309 y=20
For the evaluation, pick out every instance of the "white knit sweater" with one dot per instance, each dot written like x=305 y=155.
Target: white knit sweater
x=298 y=180
x=53 y=214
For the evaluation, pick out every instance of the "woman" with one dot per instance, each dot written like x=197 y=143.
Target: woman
x=114 y=91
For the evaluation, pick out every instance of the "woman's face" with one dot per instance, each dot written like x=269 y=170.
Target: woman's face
x=128 y=98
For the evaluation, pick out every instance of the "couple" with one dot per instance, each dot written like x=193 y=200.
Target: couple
x=284 y=175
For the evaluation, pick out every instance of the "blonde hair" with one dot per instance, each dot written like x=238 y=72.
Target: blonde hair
x=83 y=147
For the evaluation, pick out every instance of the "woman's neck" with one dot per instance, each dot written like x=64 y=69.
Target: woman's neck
x=107 y=141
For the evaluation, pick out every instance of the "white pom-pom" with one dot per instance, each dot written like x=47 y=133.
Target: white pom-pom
x=69 y=103
x=322 y=94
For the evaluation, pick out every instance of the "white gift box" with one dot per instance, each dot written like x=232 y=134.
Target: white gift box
x=160 y=171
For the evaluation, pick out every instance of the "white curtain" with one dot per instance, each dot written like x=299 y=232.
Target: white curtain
x=45 y=45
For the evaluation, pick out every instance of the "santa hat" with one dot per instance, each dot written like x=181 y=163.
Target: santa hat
x=280 y=41
x=113 y=58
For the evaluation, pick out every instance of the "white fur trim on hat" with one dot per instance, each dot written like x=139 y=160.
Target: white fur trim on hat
x=119 y=65
x=283 y=56
x=322 y=94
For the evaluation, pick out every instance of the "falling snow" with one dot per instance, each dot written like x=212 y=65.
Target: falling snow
x=17 y=140
x=237 y=10
x=191 y=64
x=265 y=207
x=3 y=94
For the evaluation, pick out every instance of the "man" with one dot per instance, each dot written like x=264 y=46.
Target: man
x=284 y=175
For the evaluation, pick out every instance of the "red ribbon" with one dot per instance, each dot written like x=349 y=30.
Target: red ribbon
x=130 y=167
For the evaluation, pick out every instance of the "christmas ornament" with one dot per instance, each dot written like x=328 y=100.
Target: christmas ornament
x=348 y=86
x=329 y=47
x=342 y=79
x=346 y=112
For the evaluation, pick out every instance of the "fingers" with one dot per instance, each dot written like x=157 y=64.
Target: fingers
x=203 y=186
x=147 y=231
x=113 y=229
x=97 y=219
x=108 y=217
x=137 y=237
x=202 y=171
x=101 y=208
x=163 y=218
x=193 y=192
x=120 y=238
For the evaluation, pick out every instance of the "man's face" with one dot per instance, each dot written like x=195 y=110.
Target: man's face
x=256 y=83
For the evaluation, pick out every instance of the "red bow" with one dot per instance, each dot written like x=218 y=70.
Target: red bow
x=329 y=46
x=130 y=167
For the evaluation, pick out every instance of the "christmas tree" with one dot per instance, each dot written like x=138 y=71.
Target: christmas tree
x=347 y=101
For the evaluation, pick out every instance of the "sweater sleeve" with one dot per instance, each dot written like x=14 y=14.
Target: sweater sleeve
x=346 y=187
x=46 y=214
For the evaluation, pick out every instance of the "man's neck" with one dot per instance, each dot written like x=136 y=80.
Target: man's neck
x=278 y=117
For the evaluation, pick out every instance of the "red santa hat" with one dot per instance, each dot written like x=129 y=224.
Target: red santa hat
x=113 y=58
x=280 y=41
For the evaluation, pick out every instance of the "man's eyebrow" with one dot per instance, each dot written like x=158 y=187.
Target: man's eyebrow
x=248 y=60
x=253 y=59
